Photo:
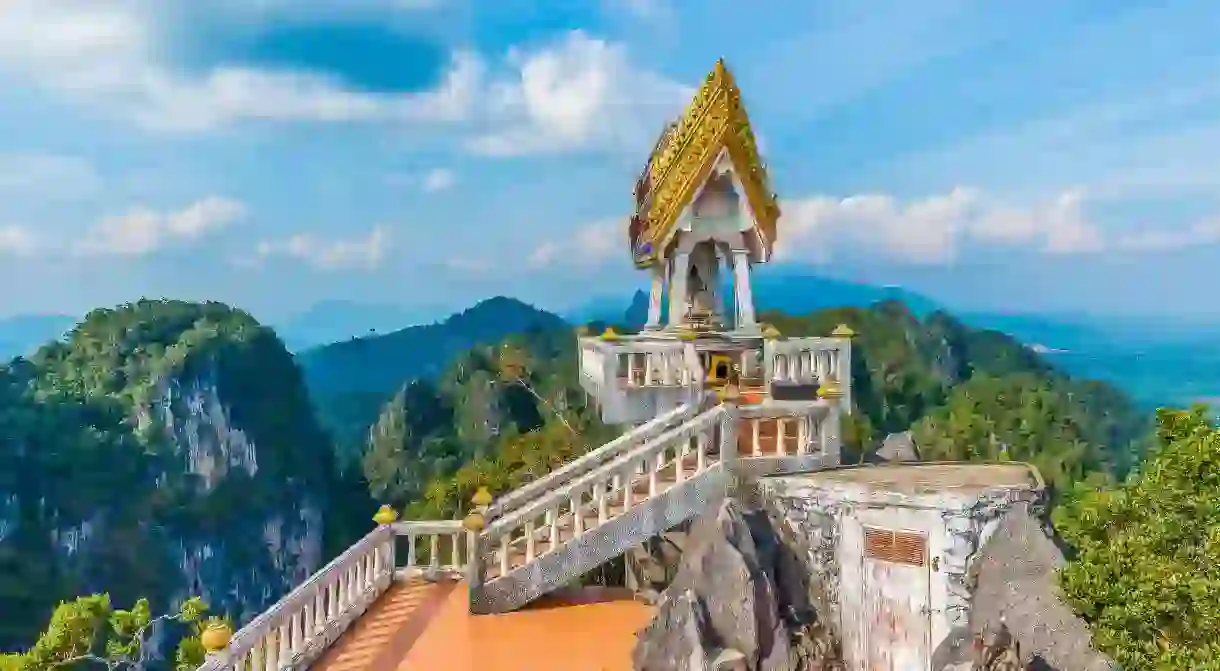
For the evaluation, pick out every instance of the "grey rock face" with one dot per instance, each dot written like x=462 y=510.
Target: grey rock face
x=724 y=609
x=1015 y=589
x=898 y=447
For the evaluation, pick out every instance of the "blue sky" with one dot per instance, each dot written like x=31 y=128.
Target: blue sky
x=1039 y=156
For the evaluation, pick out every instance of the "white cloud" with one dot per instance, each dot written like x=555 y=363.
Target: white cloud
x=365 y=253
x=105 y=53
x=927 y=230
x=144 y=230
x=17 y=241
x=578 y=94
x=591 y=244
x=932 y=229
x=439 y=179
x=47 y=176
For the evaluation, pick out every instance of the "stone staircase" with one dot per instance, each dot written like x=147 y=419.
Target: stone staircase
x=597 y=516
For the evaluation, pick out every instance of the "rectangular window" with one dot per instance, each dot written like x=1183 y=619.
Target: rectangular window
x=897 y=547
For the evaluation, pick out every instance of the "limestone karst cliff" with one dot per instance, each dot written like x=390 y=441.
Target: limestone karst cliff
x=164 y=449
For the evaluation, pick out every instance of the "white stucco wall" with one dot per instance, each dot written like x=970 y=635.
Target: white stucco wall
x=830 y=516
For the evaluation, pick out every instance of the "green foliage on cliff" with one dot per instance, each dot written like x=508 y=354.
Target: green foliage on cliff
x=131 y=440
x=1146 y=572
x=974 y=394
x=499 y=416
x=89 y=632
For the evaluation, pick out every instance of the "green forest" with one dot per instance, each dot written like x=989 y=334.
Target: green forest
x=420 y=418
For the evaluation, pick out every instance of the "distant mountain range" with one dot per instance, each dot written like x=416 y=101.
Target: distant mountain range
x=1155 y=360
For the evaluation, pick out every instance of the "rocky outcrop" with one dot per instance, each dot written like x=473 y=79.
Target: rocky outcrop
x=898 y=447
x=1015 y=586
x=740 y=600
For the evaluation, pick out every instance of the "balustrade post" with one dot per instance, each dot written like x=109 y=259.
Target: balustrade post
x=728 y=445
x=831 y=441
x=802 y=434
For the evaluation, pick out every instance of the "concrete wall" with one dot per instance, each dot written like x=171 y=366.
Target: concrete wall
x=827 y=524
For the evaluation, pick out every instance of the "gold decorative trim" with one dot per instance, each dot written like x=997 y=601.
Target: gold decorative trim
x=686 y=154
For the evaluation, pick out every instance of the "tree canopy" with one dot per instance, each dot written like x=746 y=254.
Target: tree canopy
x=1146 y=570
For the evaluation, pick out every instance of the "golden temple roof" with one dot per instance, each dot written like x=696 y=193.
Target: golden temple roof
x=684 y=157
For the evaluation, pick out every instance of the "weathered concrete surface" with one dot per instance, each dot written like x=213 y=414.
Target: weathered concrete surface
x=739 y=600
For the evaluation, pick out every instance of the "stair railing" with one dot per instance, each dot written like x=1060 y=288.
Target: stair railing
x=590 y=460
x=593 y=490
x=301 y=626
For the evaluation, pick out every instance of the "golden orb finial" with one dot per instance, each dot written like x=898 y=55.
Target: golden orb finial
x=482 y=497
x=385 y=515
x=216 y=636
x=770 y=332
x=609 y=334
x=474 y=522
x=843 y=331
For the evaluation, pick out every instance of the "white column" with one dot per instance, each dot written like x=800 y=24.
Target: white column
x=654 y=297
x=743 y=297
x=679 y=269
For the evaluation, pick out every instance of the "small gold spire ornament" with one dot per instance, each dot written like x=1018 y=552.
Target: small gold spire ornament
x=481 y=498
x=385 y=515
x=843 y=331
x=770 y=332
x=609 y=334
x=830 y=389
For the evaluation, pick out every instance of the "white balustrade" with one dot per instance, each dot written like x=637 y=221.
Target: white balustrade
x=809 y=361
x=299 y=627
x=636 y=363
x=593 y=498
x=590 y=460
x=795 y=431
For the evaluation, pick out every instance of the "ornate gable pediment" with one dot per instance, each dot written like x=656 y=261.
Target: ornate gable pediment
x=687 y=152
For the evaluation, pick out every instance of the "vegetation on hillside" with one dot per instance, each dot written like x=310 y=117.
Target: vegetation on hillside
x=1146 y=570
x=974 y=394
x=349 y=381
x=89 y=632
x=95 y=457
x=500 y=415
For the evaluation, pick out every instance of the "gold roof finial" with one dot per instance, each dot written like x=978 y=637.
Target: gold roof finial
x=843 y=331
x=482 y=497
